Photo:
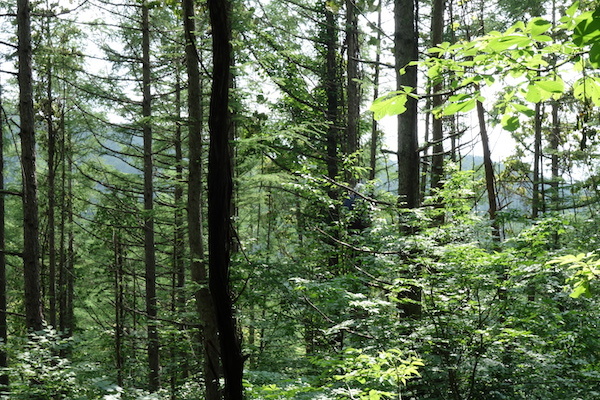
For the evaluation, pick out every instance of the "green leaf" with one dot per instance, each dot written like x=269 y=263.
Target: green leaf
x=552 y=86
x=572 y=10
x=524 y=109
x=392 y=104
x=588 y=88
x=534 y=94
x=580 y=289
x=506 y=42
x=587 y=31
x=510 y=122
x=463 y=106
x=595 y=55
x=538 y=26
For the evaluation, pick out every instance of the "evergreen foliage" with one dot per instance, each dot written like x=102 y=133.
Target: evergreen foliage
x=218 y=210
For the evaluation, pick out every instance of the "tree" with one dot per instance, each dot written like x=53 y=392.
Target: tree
x=204 y=301
x=405 y=52
x=437 y=159
x=4 y=377
x=352 y=86
x=376 y=74
x=332 y=84
x=31 y=248
x=219 y=199
x=408 y=158
x=149 y=243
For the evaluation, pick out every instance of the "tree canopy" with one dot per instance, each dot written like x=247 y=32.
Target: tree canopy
x=299 y=199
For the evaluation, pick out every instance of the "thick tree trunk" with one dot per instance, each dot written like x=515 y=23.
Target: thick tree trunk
x=405 y=51
x=199 y=273
x=149 y=251
x=34 y=319
x=219 y=199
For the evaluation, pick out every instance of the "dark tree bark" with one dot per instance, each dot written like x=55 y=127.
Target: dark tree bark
x=437 y=159
x=118 y=261
x=536 y=198
x=554 y=165
x=490 y=180
x=199 y=273
x=178 y=298
x=51 y=195
x=374 y=125
x=4 y=378
x=219 y=199
x=34 y=319
x=352 y=85
x=149 y=250
x=66 y=271
x=333 y=89
x=405 y=51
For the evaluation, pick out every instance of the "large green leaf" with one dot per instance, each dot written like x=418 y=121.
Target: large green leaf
x=533 y=94
x=595 y=55
x=588 y=30
x=506 y=42
x=510 y=122
x=538 y=26
x=463 y=106
x=553 y=86
x=392 y=104
x=586 y=89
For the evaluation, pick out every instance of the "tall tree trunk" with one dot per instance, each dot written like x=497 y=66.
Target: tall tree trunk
x=179 y=298
x=554 y=166
x=219 y=199
x=31 y=247
x=62 y=231
x=118 y=260
x=332 y=86
x=4 y=379
x=405 y=51
x=352 y=86
x=66 y=270
x=199 y=273
x=51 y=195
x=536 y=199
x=490 y=180
x=437 y=159
x=374 y=125
x=149 y=251
x=70 y=271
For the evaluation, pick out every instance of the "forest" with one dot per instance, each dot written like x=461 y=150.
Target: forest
x=299 y=199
